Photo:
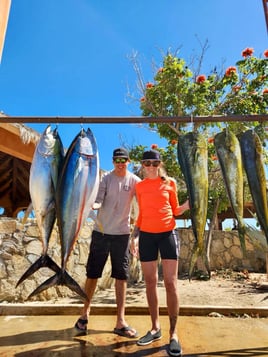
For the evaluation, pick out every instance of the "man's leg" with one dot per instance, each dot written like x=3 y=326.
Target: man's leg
x=120 y=293
x=90 y=288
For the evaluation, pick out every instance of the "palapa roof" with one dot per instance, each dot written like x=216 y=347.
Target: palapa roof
x=17 y=146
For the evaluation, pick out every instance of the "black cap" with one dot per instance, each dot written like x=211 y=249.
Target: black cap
x=151 y=155
x=120 y=152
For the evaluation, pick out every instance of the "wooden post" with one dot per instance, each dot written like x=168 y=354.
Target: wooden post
x=4 y=14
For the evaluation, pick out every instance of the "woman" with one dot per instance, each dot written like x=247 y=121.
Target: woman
x=158 y=204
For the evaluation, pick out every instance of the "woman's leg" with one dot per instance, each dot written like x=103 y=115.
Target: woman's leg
x=170 y=272
x=150 y=273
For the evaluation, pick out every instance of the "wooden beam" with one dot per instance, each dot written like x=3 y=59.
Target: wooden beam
x=136 y=119
x=4 y=14
x=11 y=143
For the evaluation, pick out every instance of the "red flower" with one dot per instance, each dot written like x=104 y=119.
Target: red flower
x=236 y=88
x=265 y=91
x=214 y=158
x=230 y=71
x=247 y=52
x=149 y=85
x=173 y=142
x=210 y=140
x=201 y=78
x=142 y=99
x=265 y=53
x=154 y=146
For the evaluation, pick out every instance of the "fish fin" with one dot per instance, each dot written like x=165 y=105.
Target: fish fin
x=60 y=278
x=43 y=262
x=256 y=237
x=197 y=252
x=27 y=213
x=73 y=285
x=52 y=281
x=241 y=234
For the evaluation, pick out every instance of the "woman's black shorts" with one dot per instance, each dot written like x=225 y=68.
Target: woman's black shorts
x=165 y=243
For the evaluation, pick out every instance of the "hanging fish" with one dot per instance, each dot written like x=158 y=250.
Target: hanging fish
x=252 y=155
x=193 y=159
x=230 y=159
x=76 y=192
x=45 y=167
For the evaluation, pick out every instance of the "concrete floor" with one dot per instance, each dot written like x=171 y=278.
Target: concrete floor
x=54 y=335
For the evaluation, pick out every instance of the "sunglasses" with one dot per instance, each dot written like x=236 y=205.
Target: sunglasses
x=121 y=160
x=148 y=163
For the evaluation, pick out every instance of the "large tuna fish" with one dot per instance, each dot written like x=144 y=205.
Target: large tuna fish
x=230 y=159
x=47 y=161
x=252 y=155
x=192 y=157
x=76 y=192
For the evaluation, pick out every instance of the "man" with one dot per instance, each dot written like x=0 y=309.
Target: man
x=111 y=237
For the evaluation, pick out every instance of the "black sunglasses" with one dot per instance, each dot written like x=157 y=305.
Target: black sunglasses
x=121 y=160
x=148 y=163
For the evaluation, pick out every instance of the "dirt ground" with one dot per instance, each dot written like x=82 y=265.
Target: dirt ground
x=224 y=288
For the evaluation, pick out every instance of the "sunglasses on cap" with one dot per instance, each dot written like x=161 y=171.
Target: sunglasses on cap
x=120 y=160
x=148 y=163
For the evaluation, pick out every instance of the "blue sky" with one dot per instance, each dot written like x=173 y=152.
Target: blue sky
x=71 y=57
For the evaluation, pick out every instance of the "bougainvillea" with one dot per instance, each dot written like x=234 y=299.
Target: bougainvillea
x=177 y=91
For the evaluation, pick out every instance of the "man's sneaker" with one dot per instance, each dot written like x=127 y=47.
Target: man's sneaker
x=149 y=338
x=174 y=348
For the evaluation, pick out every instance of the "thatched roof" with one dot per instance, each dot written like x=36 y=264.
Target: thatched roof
x=17 y=145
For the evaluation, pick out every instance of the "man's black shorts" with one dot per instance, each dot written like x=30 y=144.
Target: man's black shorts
x=100 y=247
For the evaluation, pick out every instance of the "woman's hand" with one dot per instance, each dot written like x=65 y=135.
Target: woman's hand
x=186 y=205
x=134 y=247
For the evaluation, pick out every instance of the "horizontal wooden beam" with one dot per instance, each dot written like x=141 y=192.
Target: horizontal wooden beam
x=12 y=144
x=134 y=119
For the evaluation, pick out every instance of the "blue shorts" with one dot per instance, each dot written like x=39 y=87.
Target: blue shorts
x=165 y=243
x=100 y=247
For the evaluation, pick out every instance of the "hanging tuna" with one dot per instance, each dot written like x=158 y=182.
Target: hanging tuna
x=45 y=167
x=76 y=192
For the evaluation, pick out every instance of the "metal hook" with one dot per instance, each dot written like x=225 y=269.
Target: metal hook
x=192 y=121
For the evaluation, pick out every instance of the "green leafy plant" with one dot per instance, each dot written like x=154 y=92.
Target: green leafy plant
x=177 y=90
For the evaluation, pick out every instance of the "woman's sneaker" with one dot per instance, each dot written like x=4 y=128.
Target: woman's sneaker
x=149 y=338
x=174 y=348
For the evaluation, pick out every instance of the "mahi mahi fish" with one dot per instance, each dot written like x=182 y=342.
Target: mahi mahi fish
x=76 y=192
x=47 y=161
x=252 y=155
x=192 y=157
x=230 y=159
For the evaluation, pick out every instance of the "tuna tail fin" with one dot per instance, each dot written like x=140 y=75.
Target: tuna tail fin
x=257 y=238
x=60 y=278
x=241 y=234
x=197 y=251
x=43 y=262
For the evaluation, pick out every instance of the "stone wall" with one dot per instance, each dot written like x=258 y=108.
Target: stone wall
x=225 y=253
x=20 y=247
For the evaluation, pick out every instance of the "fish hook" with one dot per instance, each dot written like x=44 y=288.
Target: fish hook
x=192 y=121
x=82 y=127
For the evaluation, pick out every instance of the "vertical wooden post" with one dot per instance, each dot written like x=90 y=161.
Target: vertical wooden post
x=4 y=14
